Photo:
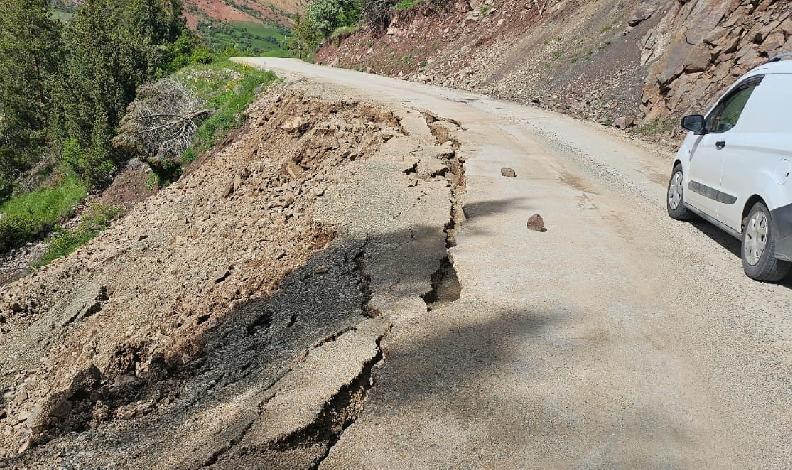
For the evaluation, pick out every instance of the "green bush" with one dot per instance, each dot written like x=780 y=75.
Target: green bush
x=328 y=15
x=93 y=164
x=407 y=4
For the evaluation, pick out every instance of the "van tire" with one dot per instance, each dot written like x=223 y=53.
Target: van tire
x=675 y=188
x=768 y=268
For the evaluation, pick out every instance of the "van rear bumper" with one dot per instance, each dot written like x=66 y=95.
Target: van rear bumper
x=782 y=219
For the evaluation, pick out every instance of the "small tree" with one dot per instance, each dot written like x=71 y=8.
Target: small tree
x=306 y=38
x=29 y=56
x=328 y=15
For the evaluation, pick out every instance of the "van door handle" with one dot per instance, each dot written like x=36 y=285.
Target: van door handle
x=720 y=145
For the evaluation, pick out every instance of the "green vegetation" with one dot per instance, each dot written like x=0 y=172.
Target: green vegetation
x=62 y=15
x=344 y=31
x=407 y=4
x=322 y=19
x=28 y=216
x=71 y=73
x=30 y=54
x=329 y=19
x=328 y=15
x=64 y=241
x=66 y=85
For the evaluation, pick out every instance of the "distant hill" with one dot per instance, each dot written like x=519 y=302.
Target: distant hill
x=241 y=11
x=255 y=26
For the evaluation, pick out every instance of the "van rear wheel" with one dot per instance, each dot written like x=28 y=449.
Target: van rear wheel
x=674 y=200
x=758 y=247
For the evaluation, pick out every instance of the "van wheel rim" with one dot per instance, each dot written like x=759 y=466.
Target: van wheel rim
x=675 y=191
x=756 y=238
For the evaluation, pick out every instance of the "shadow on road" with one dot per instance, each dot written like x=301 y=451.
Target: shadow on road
x=729 y=243
x=194 y=401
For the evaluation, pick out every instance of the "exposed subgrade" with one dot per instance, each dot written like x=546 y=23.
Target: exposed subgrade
x=446 y=287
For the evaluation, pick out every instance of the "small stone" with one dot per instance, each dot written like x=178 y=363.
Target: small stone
x=508 y=173
x=24 y=447
x=321 y=270
x=294 y=125
x=624 y=122
x=536 y=223
x=229 y=188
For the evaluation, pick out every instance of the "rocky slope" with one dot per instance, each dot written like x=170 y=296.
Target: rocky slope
x=613 y=61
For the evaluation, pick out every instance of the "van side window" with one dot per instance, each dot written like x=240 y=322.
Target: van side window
x=725 y=116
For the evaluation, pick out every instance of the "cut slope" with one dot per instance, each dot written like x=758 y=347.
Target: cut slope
x=601 y=59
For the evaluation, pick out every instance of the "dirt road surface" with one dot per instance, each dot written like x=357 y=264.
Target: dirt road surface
x=617 y=338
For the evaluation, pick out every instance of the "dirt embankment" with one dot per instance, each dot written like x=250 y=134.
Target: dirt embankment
x=234 y=318
x=615 y=62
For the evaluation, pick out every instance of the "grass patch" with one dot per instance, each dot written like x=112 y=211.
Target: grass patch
x=227 y=88
x=63 y=242
x=656 y=127
x=29 y=216
x=406 y=4
x=344 y=31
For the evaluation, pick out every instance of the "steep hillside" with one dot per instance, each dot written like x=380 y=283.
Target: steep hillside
x=613 y=61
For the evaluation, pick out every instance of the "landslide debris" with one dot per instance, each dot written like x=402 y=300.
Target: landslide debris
x=162 y=306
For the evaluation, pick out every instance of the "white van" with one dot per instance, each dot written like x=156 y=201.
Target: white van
x=734 y=168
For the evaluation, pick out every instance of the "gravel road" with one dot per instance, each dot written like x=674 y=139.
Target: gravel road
x=618 y=338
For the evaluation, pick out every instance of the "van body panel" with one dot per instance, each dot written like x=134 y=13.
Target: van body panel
x=782 y=219
x=704 y=174
x=750 y=169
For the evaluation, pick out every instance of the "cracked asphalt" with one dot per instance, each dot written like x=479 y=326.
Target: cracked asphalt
x=618 y=338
